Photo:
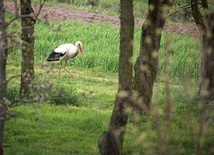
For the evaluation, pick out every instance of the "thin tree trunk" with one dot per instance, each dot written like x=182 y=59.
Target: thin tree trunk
x=207 y=63
x=146 y=66
x=27 y=63
x=3 y=82
x=206 y=27
x=110 y=142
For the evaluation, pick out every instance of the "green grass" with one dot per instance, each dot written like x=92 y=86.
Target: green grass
x=75 y=112
x=97 y=43
x=46 y=128
x=65 y=129
x=101 y=48
x=185 y=51
x=69 y=128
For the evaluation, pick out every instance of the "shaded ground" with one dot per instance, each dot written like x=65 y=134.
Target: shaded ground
x=64 y=13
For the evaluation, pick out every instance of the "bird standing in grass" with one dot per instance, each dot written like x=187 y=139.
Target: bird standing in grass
x=66 y=52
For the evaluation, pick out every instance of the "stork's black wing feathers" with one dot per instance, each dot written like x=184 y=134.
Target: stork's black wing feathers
x=54 y=56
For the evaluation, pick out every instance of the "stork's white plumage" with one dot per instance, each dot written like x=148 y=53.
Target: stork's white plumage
x=66 y=52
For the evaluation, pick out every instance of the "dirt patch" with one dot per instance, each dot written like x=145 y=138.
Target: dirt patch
x=63 y=13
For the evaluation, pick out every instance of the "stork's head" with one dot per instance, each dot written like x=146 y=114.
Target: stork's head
x=79 y=46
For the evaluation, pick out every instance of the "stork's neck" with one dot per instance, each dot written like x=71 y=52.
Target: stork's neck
x=77 y=49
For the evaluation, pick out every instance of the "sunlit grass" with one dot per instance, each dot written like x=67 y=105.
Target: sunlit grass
x=100 y=43
x=70 y=128
x=76 y=111
x=65 y=129
x=185 y=57
x=44 y=126
x=101 y=47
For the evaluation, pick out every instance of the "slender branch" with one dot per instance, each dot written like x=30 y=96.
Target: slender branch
x=191 y=130
x=201 y=126
x=40 y=8
x=16 y=8
x=168 y=96
x=137 y=103
x=12 y=20
x=198 y=17
x=159 y=131
x=205 y=8
x=9 y=115
x=18 y=102
x=12 y=77
x=17 y=15
x=204 y=4
x=187 y=6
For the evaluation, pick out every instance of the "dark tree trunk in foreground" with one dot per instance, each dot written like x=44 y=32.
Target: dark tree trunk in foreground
x=206 y=27
x=27 y=64
x=110 y=142
x=3 y=82
x=207 y=64
x=146 y=66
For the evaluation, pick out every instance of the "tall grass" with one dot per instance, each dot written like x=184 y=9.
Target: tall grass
x=100 y=43
x=101 y=48
x=185 y=58
x=47 y=128
x=71 y=131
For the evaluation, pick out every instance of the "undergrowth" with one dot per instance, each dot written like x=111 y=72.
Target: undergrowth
x=72 y=113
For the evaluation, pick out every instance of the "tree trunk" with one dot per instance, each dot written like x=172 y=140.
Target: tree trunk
x=206 y=87
x=27 y=63
x=207 y=63
x=146 y=66
x=3 y=82
x=206 y=28
x=110 y=142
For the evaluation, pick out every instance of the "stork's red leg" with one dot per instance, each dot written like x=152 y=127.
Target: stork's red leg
x=59 y=72
x=60 y=69
x=72 y=74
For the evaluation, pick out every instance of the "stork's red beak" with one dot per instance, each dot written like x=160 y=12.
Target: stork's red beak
x=81 y=51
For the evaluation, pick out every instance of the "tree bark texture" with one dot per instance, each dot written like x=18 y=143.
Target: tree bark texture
x=206 y=27
x=3 y=82
x=27 y=63
x=207 y=62
x=110 y=142
x=146 y=66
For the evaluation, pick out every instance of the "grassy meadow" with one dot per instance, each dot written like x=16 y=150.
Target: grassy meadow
x=71 y=114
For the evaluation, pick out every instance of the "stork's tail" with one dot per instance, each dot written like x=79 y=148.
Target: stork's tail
x=54 y=56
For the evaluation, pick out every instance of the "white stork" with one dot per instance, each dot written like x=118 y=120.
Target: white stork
x=66 y=52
